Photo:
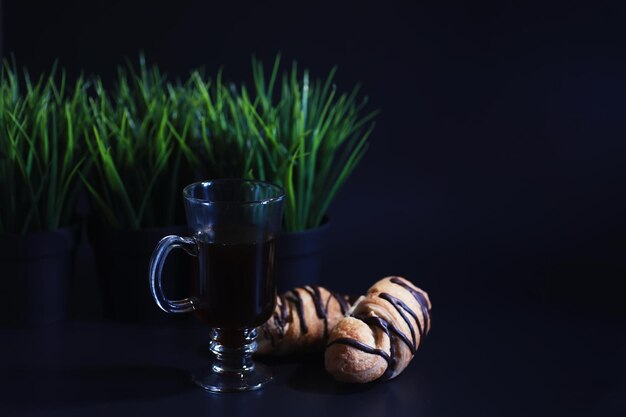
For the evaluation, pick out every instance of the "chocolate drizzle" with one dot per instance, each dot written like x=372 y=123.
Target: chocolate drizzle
x=343 y=303
x=321 y=308
x=385 y=327
x=295 y=297
x=280 y=320
x=392 y=332
x=281 y=317
x=401 y=308
x=365 y=348
x=421 y=300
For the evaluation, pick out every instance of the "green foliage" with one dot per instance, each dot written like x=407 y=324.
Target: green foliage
x=311 y=139
x=40 y=150
x=222 y=134
x=306 y=136
x=136 y=146
x=138 y=142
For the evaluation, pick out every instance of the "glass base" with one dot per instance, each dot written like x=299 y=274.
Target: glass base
x=232 y=368
x=211 y=380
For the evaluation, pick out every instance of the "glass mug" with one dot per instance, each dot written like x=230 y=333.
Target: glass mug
x=234 y=225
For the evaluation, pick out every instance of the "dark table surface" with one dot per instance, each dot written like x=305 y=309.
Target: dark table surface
x=480 y=359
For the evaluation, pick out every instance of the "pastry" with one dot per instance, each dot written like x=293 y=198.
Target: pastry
x=381 y=334
x=302 y=320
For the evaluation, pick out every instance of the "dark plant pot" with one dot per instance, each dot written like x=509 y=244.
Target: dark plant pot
x=299 y=257
x=122 y=258
x=36 y=272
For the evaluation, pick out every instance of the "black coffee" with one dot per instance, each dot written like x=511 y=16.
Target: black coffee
x=236 y=284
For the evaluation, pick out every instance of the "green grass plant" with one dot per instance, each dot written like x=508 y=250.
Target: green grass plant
x=295 y=131
x=41 y=154
x=138 y=142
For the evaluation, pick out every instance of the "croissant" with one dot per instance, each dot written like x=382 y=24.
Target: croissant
x=301 y=321
x=381 y=334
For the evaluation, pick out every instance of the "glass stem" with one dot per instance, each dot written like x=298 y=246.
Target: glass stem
x=233 y=350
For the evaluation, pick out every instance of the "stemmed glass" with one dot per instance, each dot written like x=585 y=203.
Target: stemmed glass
x=234 y=224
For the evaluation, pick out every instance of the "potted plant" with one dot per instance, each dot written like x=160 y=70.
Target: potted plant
x=141 y=163
x=297 y=132
x=40 y=163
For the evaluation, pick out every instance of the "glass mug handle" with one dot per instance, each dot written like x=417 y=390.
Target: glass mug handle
x=157 y=261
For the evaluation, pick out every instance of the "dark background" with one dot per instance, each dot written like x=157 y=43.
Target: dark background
x=496 y=171
x=495 y=180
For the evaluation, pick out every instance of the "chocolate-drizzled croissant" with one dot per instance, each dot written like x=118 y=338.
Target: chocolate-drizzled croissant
x=379 y=338
x=302 y=321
